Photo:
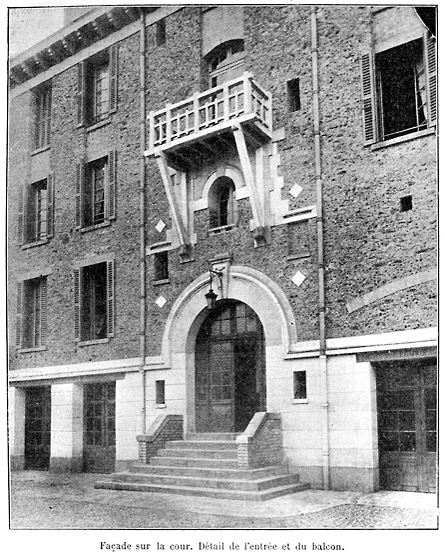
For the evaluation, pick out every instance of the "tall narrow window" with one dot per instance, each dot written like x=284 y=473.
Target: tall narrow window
x=300 y=392
x=293 y=95
x=35 y=222
x=100 y=94
x=222 y=206
x=161 y=266
x=31 y=313
x=42 y=117
x=160 y=32
x=160 y=392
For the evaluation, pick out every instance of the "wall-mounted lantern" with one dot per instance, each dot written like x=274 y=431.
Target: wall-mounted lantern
x=211 y=296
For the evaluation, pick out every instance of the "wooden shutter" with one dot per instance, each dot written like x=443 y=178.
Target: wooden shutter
x=76 y=276
x=81 y=92
x=112 y=158
x=18 y=324
x=430 y=49
x=80 y=178
x=110 y=298
x=113 y=55
x=368 y=96
x=21 y=215
x=43 y=302
x=50 y=207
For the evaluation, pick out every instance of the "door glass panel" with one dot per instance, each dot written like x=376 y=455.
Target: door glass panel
x=407 y=420
x=407 y=441
x=431 y=442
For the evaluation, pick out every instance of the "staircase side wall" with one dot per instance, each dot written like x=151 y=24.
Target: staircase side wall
x=164 y=429
x=262 y=443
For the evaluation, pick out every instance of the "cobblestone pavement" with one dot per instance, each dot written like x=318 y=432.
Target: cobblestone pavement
x=41 y=500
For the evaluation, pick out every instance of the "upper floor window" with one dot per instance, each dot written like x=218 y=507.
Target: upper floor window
x=97 y=93
x=161 y=35
x=95 y=191
x=399 y=90
x=222 y=206
x=94 y=301
x=226 y=62
x=31 y=313
x=42 y=105
x=36 y=212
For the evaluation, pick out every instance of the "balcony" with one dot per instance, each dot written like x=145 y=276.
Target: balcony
x=202 y=125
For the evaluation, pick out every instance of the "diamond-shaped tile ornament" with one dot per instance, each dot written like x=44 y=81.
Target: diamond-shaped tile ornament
x=296 y=190
x=160 y=226
x=160 y=301
x=298 y=278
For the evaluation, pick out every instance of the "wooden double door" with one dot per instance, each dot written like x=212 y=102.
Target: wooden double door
x=407 y=425
x=229 y=369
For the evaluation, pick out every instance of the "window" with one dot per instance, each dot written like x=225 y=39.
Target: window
x=97 y=87
x=42 y=112
x=36 y=212
x=222 y=205
x=293 y=95
x=94 y=301
x=95 y=192
x=300 y=392
x=160 y=32
x=406 y=203
x=399 y=90
x=226 y=62
x=161 y=266
x=160 y=392
x=31 y=313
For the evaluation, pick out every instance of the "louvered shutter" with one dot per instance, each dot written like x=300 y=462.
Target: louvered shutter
x=113 y=53
x=110 y=298
x=21 y=215
x=18 y=324
x=368 y=96
x=43 y=302
x=76 y=276
x=81 y=91
x=430 y=49
x=112 y=159
x=80 y=177
x=50 y=209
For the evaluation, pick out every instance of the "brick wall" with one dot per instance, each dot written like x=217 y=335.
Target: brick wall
x=165 y=428
x=262 y=442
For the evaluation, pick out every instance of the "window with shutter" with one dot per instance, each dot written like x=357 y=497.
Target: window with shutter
x=94 y=301
x=36 y=212
x=97 y=91
x=42 y=128
x=399 y=90
x=31 y=313
x=95 y=192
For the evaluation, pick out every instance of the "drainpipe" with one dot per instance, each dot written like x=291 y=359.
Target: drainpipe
x=321 y=284
x=143 y=294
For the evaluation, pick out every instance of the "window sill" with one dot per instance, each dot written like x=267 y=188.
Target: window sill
x=35 y=244
x=40 y=150
x=300 y=402
x=31 y=349
x=93 y=227
x=297 y=256
x=160 y=281
x=98 y=125
x=161 y=406
x=93 y=342
x=221 y=229
x=404 y=138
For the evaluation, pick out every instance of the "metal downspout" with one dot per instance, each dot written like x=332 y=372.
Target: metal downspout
x=142 y=330
x=321 y=280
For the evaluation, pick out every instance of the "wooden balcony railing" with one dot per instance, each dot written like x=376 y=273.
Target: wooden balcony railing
x=220 y=107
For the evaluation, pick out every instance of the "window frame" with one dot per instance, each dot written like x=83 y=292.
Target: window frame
x=220 y=219
x=42 y=117
x=27 y=218
x=299 y=383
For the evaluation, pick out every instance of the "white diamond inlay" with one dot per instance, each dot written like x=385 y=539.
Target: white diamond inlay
x=298 y=278
x=296 y=190
x=160 y=226
x=160 y=301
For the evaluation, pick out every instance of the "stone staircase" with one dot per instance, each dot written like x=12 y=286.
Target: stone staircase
x=205 y=465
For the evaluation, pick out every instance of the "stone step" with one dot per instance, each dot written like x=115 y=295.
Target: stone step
x=205 y=492
x=252 y=484
x=208 y=436
x=193 y=462
x=203 y=445
x=197 y=453
x=203 y=472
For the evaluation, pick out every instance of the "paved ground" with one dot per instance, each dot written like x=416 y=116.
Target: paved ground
x=42 y=500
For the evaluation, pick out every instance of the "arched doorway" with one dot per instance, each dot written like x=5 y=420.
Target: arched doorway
x=230 y=384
